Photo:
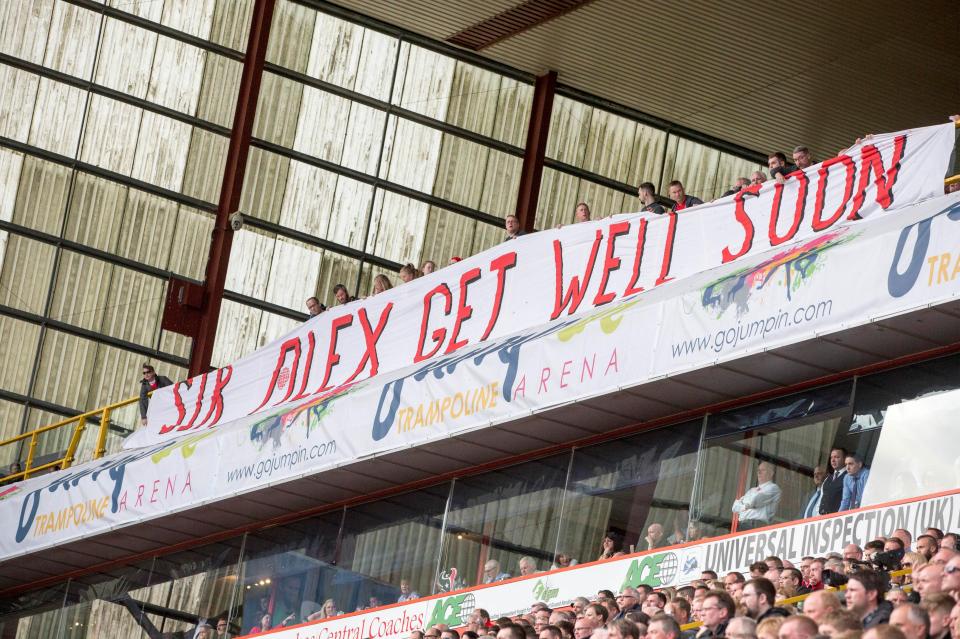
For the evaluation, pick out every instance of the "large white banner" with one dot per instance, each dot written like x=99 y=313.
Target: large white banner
x=669 y=567
x=883 y=266
x=549 y=276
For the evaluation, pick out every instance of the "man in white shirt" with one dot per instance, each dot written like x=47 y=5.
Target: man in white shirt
x=758 y=505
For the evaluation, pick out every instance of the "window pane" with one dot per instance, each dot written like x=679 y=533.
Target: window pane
x=57 y=117
x=42 y=195
x=34 y=614
x=786 y=437
x=424 y=80
x=289 y=570
x=628 y=485
x=71 y=47
x=25 y=276
x=11 y=418
x=393 y=539
x=18 y=348
x=237 y=330
x=25 y=28
x=500 y=517
x=397 y=228
x=16 y=101
x=693 y=164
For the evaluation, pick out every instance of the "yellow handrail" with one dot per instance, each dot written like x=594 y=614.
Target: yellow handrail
x=79 y=423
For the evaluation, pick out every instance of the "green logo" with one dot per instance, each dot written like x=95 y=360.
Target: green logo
x=651 y=570
x=543 y=592
x=453 y=611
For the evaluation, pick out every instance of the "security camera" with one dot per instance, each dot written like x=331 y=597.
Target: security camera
x=236 y=220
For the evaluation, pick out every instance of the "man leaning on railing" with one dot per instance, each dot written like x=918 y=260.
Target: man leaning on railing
x=150 y=382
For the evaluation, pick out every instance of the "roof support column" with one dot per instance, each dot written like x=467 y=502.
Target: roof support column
x=232 y=186
x=529 y=192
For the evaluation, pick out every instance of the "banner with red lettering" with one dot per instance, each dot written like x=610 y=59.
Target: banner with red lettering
x=885 y=266
x=548 y=276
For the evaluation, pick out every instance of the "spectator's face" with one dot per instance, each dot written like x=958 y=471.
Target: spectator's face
x=490 y=569
x=805 y=567
x=696 y=610
x=712 y=613
x=856 y=596
x=148 y=374
x=313 y=307
x=939 y=621
x=677 y=194
x=900 y=619
x=341 y=295
x=929 y=580
x=582 y=630
x=592 y=616
x=626 y=599
x=793 y=630
x=764 y=472
x=787 y=580
x=512 y=224
x=758 y=178
x=735 y=590
x=655 y=531
x=751 y=600
x=526 y=568
x=582 y=214
x=815 y=575
x=656 y=631
x=773 y=574
x=951 y=575
x=890 y=545
x=653 y=601
x=428 y=268
x=542 y=619
x=836 y=459
x=819 y=474
x=578 y=608
x=404 y=587
x=222 y=627
x=802 y=159
x=853 y=466
x=774 y=163
x=813 y=607
x=926 y=547
x=955 y=621
x=852 y=551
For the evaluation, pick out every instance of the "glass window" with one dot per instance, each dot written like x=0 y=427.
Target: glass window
x=291 y=35
x=57 y=117
x=424 y=80
x=41 y=197
x=397 y=227
x=16 y=101
x=497 y=518
x=290 y=571
x=387 y=542
x=126 y=57
x=11 y=419
x=25 y=276
x=238 y=328
x=768 y=452
x=176 y=76
x=36 y=614
x=18 y=348
x=26 y=25
x=72 y=44
x=634 y=487
x=695 y=165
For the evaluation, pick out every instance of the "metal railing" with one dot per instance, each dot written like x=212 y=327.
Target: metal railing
x=101 y=417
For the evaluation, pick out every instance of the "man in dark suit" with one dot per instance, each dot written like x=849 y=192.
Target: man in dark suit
x=833 y=485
